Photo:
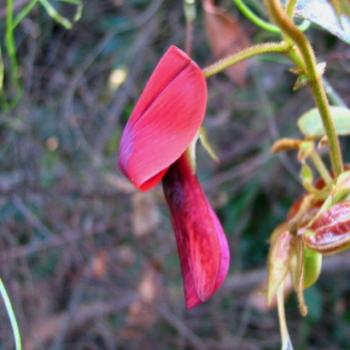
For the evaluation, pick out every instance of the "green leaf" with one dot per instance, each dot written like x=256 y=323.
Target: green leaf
x=312 y=267
x=310 y=123
x=321 y=13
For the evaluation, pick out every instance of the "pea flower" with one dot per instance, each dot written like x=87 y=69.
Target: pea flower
x=154 y=148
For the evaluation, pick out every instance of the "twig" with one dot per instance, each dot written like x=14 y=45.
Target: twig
x=181 y=327
x=42 y=332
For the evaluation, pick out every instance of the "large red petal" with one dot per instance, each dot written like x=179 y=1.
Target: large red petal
x=165 y=119
x=202 y=245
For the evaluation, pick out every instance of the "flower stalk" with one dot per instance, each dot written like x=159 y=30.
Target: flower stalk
x=278 y=47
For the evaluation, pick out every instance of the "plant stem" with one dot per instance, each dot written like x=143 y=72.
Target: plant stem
x=11 y=46
x=24 y=12
x=261 y=23
x=315 y=81
x=280 y=47
x=291 y=7
x=255 y=19
x=190 y=16
x=11 y=314
x=320 y=166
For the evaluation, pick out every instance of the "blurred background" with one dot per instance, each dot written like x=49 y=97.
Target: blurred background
x=89 y=262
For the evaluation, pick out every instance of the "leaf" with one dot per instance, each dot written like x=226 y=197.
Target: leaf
x=278 y=260
x=312 y=267
x=310 y=123
x=302 y=79
x=330 y=232
x=320 y=12
x=226 y=37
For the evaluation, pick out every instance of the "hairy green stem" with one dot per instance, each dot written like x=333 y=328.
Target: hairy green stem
x=280 y=47
x=315 y=81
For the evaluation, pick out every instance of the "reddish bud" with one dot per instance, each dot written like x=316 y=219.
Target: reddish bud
x=330 y=233
x=165 y=119
x=201 y=242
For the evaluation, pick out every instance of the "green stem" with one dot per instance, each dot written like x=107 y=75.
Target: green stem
x=10 y=44
x=280 y=47
x=24 y=12
x=291 y=7
x=320 y=167
x=315 y=81
x=259 y=22
x=11 y=314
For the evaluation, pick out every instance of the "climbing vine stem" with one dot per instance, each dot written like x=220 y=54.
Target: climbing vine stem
x=306 y=52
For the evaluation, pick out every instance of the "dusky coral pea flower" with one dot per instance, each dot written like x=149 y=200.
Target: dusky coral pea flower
x=165 y=119
x=162 y=126
x=201 y=242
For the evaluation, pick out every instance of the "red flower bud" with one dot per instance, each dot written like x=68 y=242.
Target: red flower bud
x=165 y=119
x=201 y=242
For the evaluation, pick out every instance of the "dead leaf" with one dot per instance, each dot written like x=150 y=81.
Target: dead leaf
x=226 y=37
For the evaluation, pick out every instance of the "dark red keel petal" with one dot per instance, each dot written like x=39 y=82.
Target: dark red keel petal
x=201 y=242
x=165 y=120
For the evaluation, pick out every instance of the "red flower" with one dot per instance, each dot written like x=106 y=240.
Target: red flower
x=201 y=242
x=163 y=124
x=165 y=119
